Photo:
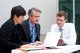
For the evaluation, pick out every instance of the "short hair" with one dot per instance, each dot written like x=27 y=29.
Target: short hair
x=30 y=11
x=62 y=13
x=18 y=11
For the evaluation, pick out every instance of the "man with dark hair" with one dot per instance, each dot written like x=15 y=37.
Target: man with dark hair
x=12 y=36
x=31 y=25
x=68 y=33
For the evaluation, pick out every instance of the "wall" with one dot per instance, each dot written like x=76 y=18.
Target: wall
x=48 y=7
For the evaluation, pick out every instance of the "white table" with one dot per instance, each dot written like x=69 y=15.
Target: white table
x=62 y=49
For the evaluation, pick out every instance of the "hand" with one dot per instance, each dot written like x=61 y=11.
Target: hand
x=36 y=43
x=24 y=47
x=60 y=42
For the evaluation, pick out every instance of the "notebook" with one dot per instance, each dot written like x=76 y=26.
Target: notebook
x=51 y=39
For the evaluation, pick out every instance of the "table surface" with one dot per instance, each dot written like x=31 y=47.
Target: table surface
x=62 y=49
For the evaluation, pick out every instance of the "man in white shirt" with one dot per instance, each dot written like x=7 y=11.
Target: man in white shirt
x=68 y=33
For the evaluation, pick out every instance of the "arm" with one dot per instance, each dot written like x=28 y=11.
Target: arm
x=72 y=35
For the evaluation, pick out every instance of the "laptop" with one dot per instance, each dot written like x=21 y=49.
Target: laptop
x=51 y=39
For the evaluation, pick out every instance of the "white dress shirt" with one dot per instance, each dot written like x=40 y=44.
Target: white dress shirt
x=69 y=33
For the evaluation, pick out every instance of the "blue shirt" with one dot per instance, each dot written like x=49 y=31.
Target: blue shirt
x=32 y=31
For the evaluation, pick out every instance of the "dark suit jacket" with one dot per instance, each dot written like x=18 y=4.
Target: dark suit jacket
x=26 y=28
x=11 y=36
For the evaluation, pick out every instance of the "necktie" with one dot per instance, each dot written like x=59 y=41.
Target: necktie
x=60 y=43
x=33 y=33
x=61 y=30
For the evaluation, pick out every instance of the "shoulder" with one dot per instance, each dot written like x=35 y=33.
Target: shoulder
x=54 y=25
x=54 y=28
x=37 y=25
x=25 y=22
x=8 y=25
x=69 y=24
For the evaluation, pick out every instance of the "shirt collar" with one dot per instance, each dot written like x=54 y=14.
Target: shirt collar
x=64 y=26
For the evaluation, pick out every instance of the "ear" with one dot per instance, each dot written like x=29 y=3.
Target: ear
x=66 y=20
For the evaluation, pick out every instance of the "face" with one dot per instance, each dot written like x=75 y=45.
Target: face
x=60 y=21
x=35 y=17
x=19 y=19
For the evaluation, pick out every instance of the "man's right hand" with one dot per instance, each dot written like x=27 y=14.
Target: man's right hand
x=60 y=42
x=24 y=47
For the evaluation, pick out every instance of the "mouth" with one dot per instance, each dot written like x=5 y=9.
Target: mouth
x=59 y=25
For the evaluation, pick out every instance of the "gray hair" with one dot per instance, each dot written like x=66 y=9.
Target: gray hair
x=30 y=11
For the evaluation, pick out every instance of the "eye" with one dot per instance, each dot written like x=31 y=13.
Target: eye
x=61 y=20
x=57 y=19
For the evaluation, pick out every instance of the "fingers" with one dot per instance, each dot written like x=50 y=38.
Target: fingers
x=38 y=43
x=60 y=42
x=24 y=47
